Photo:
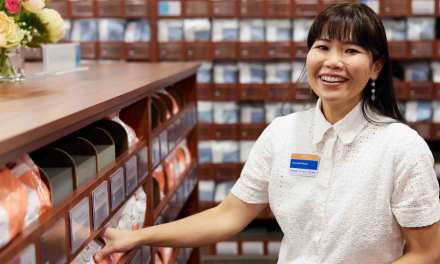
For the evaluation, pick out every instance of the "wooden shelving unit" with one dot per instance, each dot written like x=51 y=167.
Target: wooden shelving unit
x=48 y=108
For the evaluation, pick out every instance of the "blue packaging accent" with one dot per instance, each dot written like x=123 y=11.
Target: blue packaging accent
x=204 y=35
x=229 y=76
x=175 y=34
x=284 y=34
x=427 y=32
x=89 y=30
x=257 y=75
x=424 y=111
x=203 y=76
x=232 y=156
x=230 y=34
x=205 y=116
x=282 y=76
x=230 y=116
x=206 y=196
x=257 y=117
x=78 y=55
x=420 y=74
x=205 y=155
x=164 y=8
x=257 y=33
x=116 y=29
x=143 y=31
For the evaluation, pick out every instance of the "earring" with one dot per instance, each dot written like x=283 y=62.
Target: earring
x=373 y=96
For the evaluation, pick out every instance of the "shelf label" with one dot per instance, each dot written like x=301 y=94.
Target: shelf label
x=163 y=144
x=137 y=258
x=117 y=188
x=146 y=254
x=131 y=175
x=155 y=152
x=100 y=204
x=79 y=224
x=171 y=137
x=27 y=256
x=53 y=243
x=143 y=163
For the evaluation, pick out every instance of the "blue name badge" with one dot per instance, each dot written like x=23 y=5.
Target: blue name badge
x=303 y=164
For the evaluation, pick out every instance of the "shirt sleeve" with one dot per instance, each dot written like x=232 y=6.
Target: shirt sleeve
x=415 y=198
x=252 y=186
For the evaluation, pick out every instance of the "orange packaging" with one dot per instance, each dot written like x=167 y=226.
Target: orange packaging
x=38 y=194
x=181 y=160
x=13 y=204
x=131 y=134
x=173 y=100
x=184 y=146
x=159 y=175
x=170 y=171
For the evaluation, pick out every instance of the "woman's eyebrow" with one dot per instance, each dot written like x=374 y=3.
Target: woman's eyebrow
x=348 y=42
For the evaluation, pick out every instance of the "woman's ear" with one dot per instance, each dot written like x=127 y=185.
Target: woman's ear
x=377 y=67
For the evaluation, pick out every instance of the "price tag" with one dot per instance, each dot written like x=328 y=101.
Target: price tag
x=155 y=152
x=79 y=224
x=163 y=144
x=131 y=175
x=171 y=137
x=146 y=254
x=53 y=244
x=27 y=256
x=100 y=204
x=143 y=163
x=117 y=188
x=137 y=258
x=178 y=128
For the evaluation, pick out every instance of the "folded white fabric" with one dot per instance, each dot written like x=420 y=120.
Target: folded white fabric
x=225 y=73
x=251 y=72
x=273 y=110
x=301 y=28
x=111 y=29
x=225 y=151
x=138 y=30
x=436 y=110
x=252 y=113
x=278 y=72
x=206 y=191
x=278 y=30
x=204 y=109
x=435 y=66
x=297 y=67
x=225 y=112
x=251 y=30
x=197 y=29
x=416 y=71
x=224 y=30
x=170 y=30
x=245 y=149
x=85 y=30
x=424 y=7
x=204 y=72
x=205 y=151
x=395 y=29
x=420 y=28
x=418 y=111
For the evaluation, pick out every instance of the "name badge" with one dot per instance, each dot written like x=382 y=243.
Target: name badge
x=304 y=164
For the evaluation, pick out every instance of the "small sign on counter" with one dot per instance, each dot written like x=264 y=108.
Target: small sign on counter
x=79 y=224
x=117 y=190
x=100 y=204
x=61 y=58
x=131 y=175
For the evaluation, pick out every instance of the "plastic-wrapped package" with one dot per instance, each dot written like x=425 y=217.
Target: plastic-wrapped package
x=420 y=28
x=170 y=30
x=184 y=146
x=417 y=71
x=395 y=29
x=84 y=30
x=373 y=4
x=418 y=111
x=86 y=255
x=159 y=175
x=204 y=72
x=435 y=66
x=225 y=112
x=206 y=191
x=245 y=149
x=278 y=30
x=38 y=194
x=205 y=110
x=224 y=30
x=197 y=29
x=423 y=7
x=222 y=190
x=225 y=151
x=67 y=29
x=205 y=151
x=273 y=110
x=138 y=31
x=251 y=30
x=181 y=160
x=171 y=98
x=251 y=72
x=171 y=172
x=252 y=113
x=300 y=107
x=131 y=134
x=13 y=205
x=111 y=29
x=225 y=73
x=141 y=205
x=301 y=29
x=278 y=72
x=297 y=67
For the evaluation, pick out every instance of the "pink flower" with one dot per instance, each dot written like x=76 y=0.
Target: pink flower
x=12 y=6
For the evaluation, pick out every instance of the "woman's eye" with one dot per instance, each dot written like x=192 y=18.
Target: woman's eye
x=322 y=47
x=351 y=51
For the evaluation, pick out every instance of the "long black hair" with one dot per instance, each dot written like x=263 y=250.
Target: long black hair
x=360 y=24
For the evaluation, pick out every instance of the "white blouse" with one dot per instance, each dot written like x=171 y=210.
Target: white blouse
x=371 y=180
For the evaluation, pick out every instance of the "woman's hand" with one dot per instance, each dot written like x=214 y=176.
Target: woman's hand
x=116 y=241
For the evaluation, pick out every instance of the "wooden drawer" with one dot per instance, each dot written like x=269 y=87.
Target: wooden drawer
x=279 y=50
x=225 y=50
x=204 y=131
x=89 y=50
x=304 y=8
x=278 y=91
x=204 y=91
x=171 y=51
x=299 y=50
x=436 y=93
x=397 y=49
x=251 y=92
x=251 y=8
x=424 y=129
x=400 y=90
x=197 y=8
x=421 y=49
x=138 y=51
x=110 y=9
x=278 y=9
x=302 y=92
x=225 y=91
x=136 y=9
x=111 y=50
x=224 y=8
x=60 y=7
x=251 y=131
x=204 y=170
x=394 y=8
x=225 y=132
x=226 y=172
x=82 y=9
x=435 y=131
x=420 y=90
x=251 y=50
x=198 y=50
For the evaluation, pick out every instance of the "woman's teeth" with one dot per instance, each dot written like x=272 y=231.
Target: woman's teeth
x=332 y=79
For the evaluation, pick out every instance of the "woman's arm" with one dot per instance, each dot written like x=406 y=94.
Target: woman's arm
x=208 y=227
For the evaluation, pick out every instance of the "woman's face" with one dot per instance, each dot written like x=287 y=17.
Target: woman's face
x=338 y=71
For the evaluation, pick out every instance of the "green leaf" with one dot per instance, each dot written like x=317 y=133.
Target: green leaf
x=40 y=39
x=32 y=45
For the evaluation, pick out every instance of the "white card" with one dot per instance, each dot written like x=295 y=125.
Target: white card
x=117 y=188
x=131 y=175
x=79 y=224
x=61 y=57
x=27 y=256
x=100 y=205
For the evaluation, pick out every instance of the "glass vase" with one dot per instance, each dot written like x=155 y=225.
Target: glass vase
x=12 y=64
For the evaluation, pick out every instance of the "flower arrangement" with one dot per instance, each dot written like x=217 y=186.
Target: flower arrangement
x=26 y=23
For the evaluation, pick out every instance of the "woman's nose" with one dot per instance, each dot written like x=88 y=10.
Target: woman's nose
x=333 y=60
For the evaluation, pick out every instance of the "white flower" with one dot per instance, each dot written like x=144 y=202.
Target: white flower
x=10 y=33
x=33 y=6
x=53 y=23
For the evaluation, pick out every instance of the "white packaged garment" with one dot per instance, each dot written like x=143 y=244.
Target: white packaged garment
x=251 y=30
x=205 y=151
x=420 y=28
x=204 y=72
x=278 y=72
x=297 y=68
x=416 y=71
x=395 y=29
x=301 y=29
x=418 y=111
x=435 y=66
x=225 y=151
x=126 y=218
x=222 y=190
x=252 y=113
x=278 y=30
x=111 y=29
x=197 y=29
x=170 y=30
x=206 y=191
x=373 y=4
x=251 y=72
x=84 y=30
x=141 y=205
x=300 y=107
x=67 y=30
x=86 y=255
x=225 y=73
x=225 y=30
x=138 y=31
x=436 y=111
x=423 y=7
x=225 y=112
x=204 y=109
x=273 y=110
x=245 y=149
